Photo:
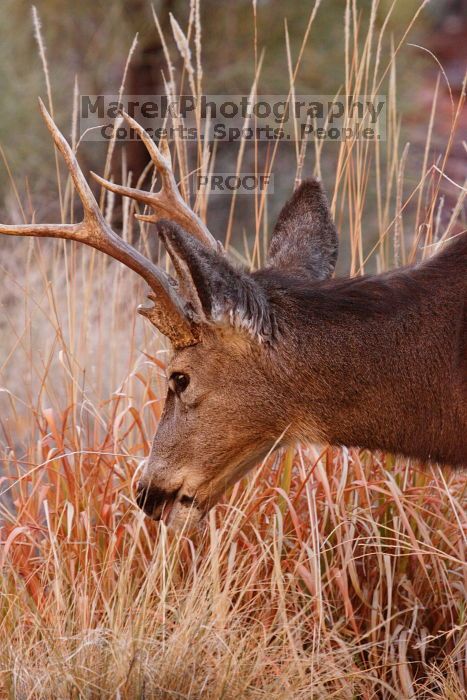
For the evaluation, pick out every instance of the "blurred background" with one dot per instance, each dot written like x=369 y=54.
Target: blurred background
x=89 y=42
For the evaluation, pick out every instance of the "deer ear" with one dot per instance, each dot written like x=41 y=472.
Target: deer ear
x=305 y=237
x=215 y=290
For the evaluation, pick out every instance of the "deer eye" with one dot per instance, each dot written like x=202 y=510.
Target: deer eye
x=178 y=382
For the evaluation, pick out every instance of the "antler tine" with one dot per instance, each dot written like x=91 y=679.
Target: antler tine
x=170 y=314
x=168 y=202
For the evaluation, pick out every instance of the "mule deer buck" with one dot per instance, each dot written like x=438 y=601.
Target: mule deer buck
x=285 y=353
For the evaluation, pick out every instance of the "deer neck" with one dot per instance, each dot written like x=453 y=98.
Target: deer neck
x=366 y=366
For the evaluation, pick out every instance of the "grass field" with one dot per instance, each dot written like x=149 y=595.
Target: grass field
x=328 y=573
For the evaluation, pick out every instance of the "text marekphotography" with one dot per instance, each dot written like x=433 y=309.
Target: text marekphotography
x=231 y=118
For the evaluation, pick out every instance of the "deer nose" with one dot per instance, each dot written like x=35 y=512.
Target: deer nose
x=154 y=500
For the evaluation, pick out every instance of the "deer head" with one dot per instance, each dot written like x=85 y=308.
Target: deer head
x=228 y=396
x=220 y=415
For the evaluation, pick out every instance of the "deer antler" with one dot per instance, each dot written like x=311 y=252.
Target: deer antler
x=168 y=202
x=170 y=315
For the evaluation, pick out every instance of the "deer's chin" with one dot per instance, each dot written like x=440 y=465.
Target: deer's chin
x=181 y=517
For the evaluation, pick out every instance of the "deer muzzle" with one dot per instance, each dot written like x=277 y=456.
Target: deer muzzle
x=160 y=504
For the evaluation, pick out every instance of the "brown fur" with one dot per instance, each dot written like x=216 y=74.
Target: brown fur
x=381 y=362
x=376 y=362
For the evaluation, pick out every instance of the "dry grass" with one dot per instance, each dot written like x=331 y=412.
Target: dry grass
x=333 y=574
